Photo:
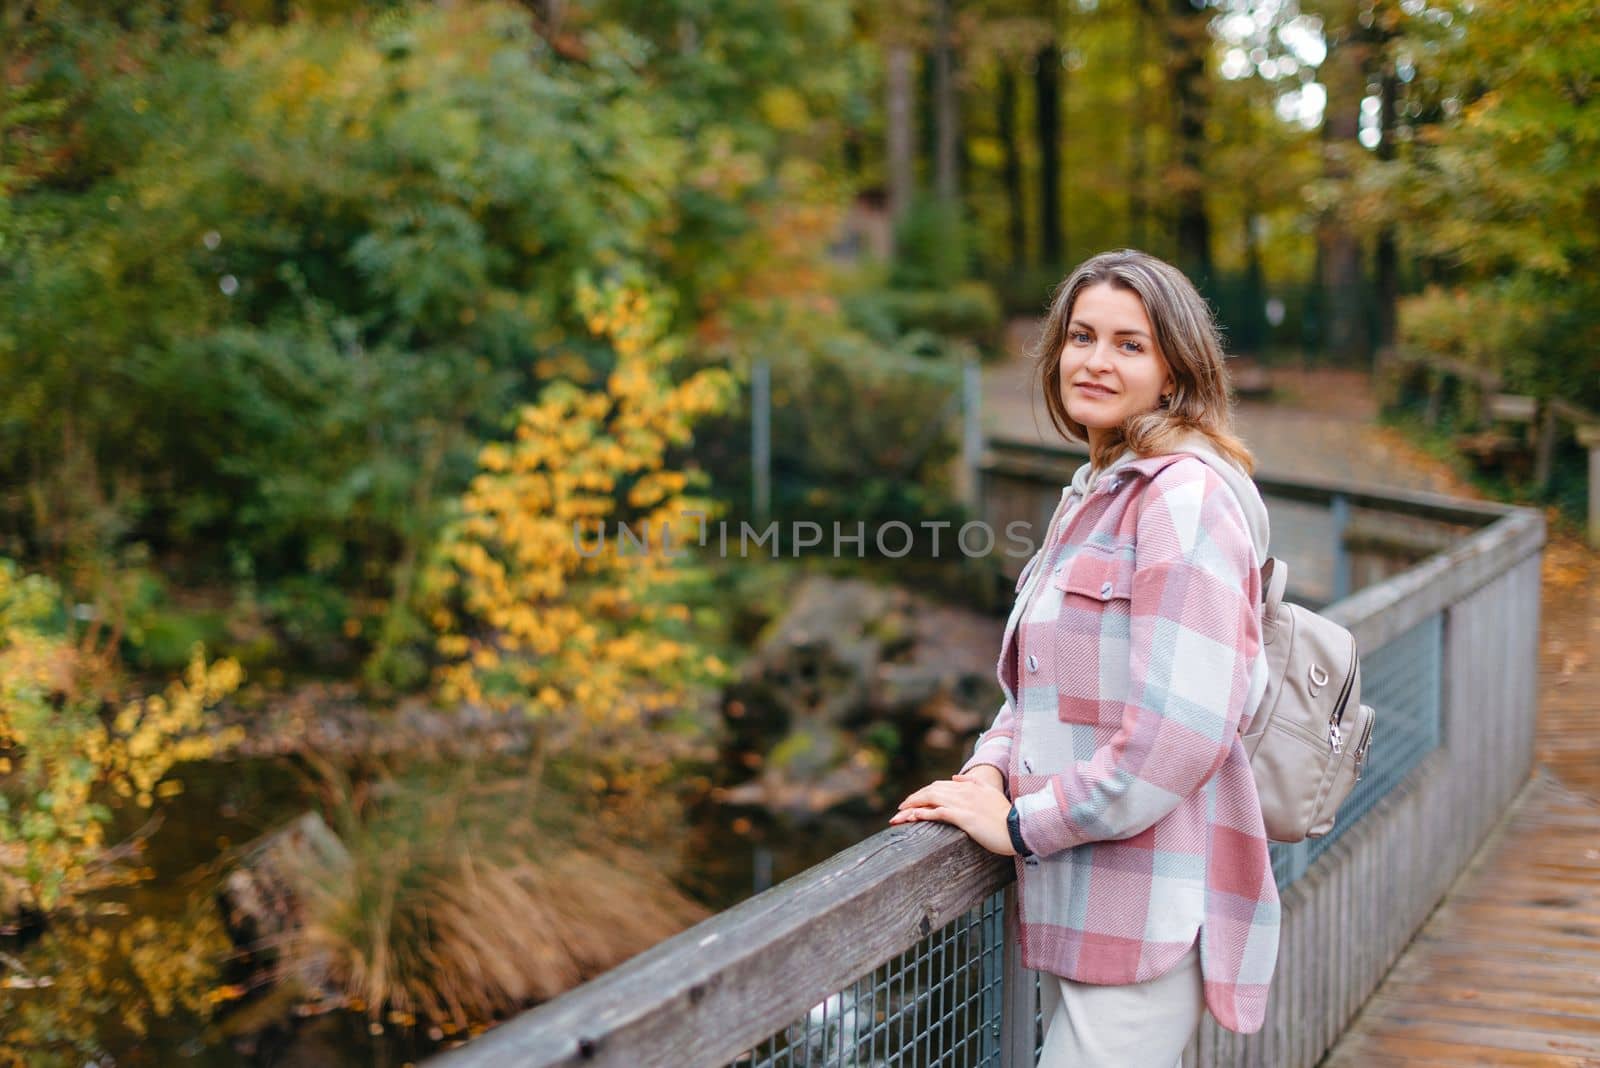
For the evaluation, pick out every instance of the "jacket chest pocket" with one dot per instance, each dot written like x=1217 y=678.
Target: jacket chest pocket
x=1095 y=582
x=1091 y=636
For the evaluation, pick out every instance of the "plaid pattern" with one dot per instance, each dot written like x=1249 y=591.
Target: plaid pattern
x=1134 y=657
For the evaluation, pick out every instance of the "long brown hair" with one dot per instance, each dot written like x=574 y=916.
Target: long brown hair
x=1186 y=334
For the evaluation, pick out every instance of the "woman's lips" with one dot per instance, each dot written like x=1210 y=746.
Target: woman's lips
x=1093 y=391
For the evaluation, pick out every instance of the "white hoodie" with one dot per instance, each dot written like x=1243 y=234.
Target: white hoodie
x=1197 y=444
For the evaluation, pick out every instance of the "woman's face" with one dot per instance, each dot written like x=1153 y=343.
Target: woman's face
x=1111 y=367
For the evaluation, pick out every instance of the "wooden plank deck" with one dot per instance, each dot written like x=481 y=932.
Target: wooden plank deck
x=1507 y=969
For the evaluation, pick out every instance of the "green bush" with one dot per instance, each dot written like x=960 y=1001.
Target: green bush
x=1541 y=338
x=968 y=310
x=932 y=246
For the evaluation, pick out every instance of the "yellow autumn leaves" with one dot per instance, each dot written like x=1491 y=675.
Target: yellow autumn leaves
x=60 y=748
x=555 y=607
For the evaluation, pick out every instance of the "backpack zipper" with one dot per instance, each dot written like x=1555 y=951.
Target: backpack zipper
x=1335 y=738
x=1361 y=748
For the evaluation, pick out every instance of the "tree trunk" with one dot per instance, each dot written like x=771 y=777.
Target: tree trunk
x=1138 y=160
x=1387 y=258
x=1046 y=81
x=1016 y=231
x=1345 y=75
x=1187 y=44
x=947 y=114
x=1250 y=332
x=900 y=118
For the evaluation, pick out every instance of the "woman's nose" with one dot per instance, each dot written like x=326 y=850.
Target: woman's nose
x=1099 y=357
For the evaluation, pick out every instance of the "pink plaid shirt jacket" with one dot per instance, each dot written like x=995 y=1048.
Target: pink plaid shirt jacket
x=1131 y=662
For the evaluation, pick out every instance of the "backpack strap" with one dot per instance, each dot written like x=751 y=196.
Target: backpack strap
x=1274 y=580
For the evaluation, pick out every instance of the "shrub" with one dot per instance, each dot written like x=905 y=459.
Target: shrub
x=932 y=246
x=542 y=608
x=70 y=740
x=969 y=310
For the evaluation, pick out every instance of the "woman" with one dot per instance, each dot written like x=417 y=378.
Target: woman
x=1132 y=660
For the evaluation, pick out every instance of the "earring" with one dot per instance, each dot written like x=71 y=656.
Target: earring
x=1166 y=400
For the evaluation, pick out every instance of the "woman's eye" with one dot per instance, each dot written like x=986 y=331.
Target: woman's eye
x=1079 y=336
x=1132 y=346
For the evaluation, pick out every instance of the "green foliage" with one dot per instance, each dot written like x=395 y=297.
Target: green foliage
x=932 y=246
x=1502 y=193
x=966 y=310
x=860 y=432
x=268 y=291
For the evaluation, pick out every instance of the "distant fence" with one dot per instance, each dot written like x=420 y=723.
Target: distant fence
x=1515 y=432
x=902 y=949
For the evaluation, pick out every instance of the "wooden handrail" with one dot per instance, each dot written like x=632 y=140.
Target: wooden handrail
x=1026 y=459
x=712 y=992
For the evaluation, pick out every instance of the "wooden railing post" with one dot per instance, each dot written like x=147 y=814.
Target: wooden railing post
x=1589 y=438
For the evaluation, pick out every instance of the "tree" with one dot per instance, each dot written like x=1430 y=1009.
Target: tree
x=1346 y=333
x=1188 y=49
x=304 y=324
x=1499 y=188
x=1047 y=132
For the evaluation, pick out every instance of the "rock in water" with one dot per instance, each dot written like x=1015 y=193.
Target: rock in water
x=848 y=662
x=263 y=899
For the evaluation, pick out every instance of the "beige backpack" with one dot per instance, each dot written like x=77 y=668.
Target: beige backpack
x=1310 y=733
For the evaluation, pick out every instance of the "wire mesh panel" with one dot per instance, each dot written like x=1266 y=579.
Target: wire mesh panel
x=1402 y=682
x=936 y=1004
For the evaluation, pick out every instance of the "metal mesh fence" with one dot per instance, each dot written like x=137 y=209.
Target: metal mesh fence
x=936 y=1004
x=1401 y=681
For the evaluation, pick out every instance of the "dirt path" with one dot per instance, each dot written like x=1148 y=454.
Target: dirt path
x=1320 y=424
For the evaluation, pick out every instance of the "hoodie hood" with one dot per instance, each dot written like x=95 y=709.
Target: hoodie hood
x=1198 y=445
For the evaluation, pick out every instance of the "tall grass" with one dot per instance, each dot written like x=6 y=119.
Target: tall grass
x=469 y=892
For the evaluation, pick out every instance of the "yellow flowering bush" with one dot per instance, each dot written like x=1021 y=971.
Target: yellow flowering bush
x=67 y=739
x=559 y=570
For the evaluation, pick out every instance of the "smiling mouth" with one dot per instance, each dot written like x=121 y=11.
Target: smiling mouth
x=1093 y=391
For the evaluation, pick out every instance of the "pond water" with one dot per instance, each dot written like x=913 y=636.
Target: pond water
x=227 y=804
x=223 y=805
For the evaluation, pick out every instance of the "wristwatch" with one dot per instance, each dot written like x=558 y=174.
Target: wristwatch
x=1014 y=825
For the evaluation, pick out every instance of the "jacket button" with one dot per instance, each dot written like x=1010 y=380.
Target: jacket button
x=1105 y=589
x=1033 y=662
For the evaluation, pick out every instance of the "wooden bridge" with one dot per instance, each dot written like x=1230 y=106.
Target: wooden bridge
x=899 y=950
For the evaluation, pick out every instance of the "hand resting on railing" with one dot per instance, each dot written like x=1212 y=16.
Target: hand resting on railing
x=974 y=802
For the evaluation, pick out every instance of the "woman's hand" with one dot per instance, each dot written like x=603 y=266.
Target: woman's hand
x=986 y=773
x=975 y=805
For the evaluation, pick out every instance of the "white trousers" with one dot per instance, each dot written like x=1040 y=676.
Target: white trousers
x=1135 y=1025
